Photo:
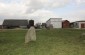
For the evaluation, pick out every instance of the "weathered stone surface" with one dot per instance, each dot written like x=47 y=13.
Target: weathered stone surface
x=31 y=35
x=27 y=37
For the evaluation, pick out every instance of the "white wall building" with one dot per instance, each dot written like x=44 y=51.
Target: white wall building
x=55 y=22
x=79 y=24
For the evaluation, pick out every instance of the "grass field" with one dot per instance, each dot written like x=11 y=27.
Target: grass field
x=49 y=42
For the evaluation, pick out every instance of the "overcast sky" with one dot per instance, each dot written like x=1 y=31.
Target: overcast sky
x=42 y=10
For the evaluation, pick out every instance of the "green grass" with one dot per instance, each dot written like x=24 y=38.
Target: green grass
x=49 y=42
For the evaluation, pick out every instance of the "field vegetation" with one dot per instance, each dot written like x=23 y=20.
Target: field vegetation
x=49 y=42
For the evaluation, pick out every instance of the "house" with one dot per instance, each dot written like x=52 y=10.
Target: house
x=78 y=24
x=65 y=24
x=15 y=23
x=54 y=22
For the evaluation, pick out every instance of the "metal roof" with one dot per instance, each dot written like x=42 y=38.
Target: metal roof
x=15 y=22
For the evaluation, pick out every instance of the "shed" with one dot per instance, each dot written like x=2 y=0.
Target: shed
x=55 y=22
x=78 y=24
x=81 y=24
x=65 y=24
x=15 y=23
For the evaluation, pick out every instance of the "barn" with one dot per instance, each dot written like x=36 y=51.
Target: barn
x=55 y=22
x=65 y=24
x=78 y=24
x=15 y=23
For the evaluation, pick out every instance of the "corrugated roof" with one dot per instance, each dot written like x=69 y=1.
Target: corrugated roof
x=15 y=22
x=53 y=18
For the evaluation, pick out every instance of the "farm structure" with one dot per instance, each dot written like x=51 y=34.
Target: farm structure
x=15 y=23
x=65 y=24
x=55 y=22
x=78 y=24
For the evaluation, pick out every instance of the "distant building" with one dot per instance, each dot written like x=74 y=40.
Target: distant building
x=44 y=25
x=38 y=25
x=78 y=24
x=65 y=24
x=15 y=23
x=55 y=22
x=1 y=26
x=72 y=25
x=31 y=22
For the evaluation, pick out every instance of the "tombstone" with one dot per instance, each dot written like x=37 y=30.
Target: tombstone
x=31 y=34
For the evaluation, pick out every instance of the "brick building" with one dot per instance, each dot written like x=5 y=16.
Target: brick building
x=65 y=24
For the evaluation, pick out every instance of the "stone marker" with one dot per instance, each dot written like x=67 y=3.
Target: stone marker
x=27 y=37
x=31 y=35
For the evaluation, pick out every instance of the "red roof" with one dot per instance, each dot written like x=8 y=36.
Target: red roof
x=65 y=20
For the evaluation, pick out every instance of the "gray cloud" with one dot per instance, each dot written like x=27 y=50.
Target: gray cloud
x=35 y=5
x=39 y=10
